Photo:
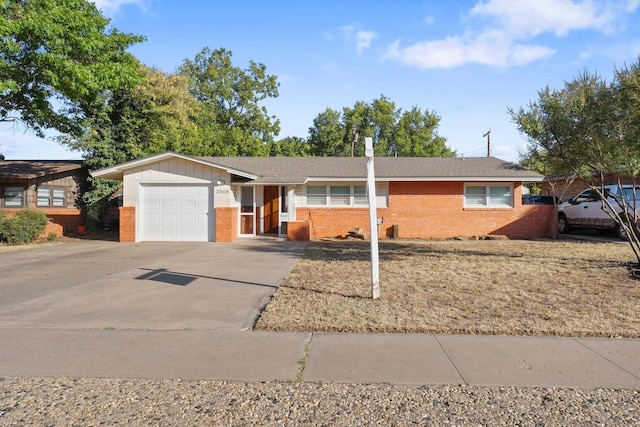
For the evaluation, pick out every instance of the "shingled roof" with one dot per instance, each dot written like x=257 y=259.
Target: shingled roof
x=31 y=169
x=299 y=170
x=296 y=170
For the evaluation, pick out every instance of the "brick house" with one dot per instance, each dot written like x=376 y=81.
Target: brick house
x=173 y=197
x=54 y=187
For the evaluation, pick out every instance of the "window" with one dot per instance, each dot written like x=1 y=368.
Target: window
x=316 y=195
x=14 y=197
x=50 y=197
x=340 y=195
x=488 y=196
x=587 y=196
x=343 y=195
x=360 y=195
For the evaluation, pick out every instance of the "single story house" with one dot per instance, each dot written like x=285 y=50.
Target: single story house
x=54 y=187
x=173 y=197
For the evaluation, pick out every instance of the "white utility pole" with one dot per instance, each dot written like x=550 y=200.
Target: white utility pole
x=373 y=219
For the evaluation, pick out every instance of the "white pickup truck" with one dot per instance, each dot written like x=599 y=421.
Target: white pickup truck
x=586 y=210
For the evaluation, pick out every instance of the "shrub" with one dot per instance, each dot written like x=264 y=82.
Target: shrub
x=23 y=227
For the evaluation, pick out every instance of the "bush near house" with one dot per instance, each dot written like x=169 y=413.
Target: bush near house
x=23 y=227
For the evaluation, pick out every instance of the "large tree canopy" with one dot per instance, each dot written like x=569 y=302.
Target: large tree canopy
x=395 y=133
x=588 y=129
x=157 y=115
x=56 y=57
x=232 y=96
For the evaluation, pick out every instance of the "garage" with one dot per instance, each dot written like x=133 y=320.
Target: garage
x=170 y=212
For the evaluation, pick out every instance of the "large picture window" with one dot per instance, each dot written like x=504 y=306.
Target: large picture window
x=488 y=196
x=14 y=197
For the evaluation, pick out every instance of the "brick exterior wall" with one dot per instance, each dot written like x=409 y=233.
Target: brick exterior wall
x=226 y=224
x=127 y=224
x=66 y=220
x=429 y=210
x=335 y=222
x=298 y=230
x=435 y=210
x=417 y=209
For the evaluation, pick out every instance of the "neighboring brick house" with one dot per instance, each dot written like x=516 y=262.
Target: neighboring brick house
x=53 y=187
x=172 y=197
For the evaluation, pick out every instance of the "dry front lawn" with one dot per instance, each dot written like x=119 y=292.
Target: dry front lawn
x=461 y=287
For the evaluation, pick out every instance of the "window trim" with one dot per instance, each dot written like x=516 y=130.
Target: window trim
x=487 y=195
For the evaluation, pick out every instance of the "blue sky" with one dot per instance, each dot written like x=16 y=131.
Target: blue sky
x=467 y=61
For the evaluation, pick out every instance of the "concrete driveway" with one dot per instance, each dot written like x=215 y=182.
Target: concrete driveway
x=103 y=284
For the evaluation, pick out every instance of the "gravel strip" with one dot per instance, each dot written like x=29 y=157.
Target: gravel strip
x=139 y=402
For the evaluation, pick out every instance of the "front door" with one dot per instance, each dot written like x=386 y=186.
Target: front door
x=271 y=209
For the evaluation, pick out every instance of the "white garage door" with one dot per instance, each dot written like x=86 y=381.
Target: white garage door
x=176 y=213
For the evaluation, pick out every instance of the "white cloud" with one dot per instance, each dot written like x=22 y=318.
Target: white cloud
x=361 y=38
x=531 y=18
x=632 y=5
x=364 y=39
x=111 y=7
x=501 y=33
x=456 y=51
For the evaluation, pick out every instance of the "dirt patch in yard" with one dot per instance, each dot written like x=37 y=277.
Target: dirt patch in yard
x=461 y=287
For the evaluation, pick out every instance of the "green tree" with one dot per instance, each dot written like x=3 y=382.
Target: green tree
x=589 y=128
x=327 y=134
x=155 y=116
x=377 y=120
x=416 y=136
x=56 y=58
x=394 y=132
x=232 y=97
x=291 y=146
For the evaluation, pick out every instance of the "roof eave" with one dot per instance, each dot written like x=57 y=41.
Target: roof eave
x=464 y=178
x=117 y=172
x=433 y=179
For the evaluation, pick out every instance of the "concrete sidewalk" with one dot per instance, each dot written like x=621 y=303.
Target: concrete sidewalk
x=419 y=359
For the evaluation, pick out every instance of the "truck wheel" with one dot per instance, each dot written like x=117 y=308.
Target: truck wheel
x=563 y=224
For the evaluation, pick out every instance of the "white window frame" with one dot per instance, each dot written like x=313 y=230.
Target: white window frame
x=487 y=202
x=54 y=199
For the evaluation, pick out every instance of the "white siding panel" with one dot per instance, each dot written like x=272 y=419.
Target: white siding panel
x=169 y=171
